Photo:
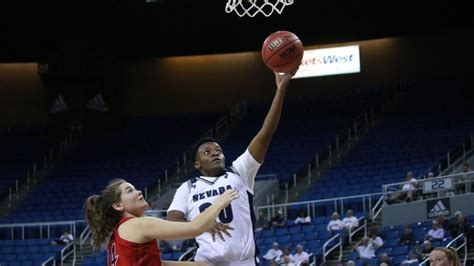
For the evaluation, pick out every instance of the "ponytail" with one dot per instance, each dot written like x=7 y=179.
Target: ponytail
x=100 y=215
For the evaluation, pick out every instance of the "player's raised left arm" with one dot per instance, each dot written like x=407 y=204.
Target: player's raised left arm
x=259 y=145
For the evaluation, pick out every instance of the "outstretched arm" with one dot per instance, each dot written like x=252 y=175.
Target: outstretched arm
x=218 y=228
x=144 y=229
x=259 y=145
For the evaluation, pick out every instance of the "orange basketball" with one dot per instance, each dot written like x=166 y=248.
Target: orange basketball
x=282 y=51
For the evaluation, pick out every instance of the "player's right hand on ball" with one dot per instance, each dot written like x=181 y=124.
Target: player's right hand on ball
x=227 y=197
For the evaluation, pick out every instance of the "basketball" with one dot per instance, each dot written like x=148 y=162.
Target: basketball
x=282 y=51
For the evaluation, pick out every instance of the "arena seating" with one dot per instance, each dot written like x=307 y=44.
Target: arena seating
x=29 y=252
x=412 y=137
x=21 y=148
x=307 y=126
x=138 y=153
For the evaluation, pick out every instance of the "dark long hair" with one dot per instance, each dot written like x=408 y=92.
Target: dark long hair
x=100 y=215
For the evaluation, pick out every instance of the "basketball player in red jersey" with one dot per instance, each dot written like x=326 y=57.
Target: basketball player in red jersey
x=118 y=214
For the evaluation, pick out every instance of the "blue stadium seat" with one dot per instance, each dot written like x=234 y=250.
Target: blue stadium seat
x=267 y=233
x=6 y=250
x=269 y=240
x=176 y=256
x=400 y=250
x=167 y=256
x=297 y=237
x=294 y=230
x=308 y=229
x=281 y=232
x=283 y=239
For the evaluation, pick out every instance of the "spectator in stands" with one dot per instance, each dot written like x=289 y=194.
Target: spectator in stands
x=385 y=260
x=435 y=233
x=407 y=191
x=407 y=237
x=430 y=195
x=273 y=254
x=262 y=222
x=466 y=167
x=376 y=230
x=64 y=239
x=365 y=249
x=335 y=225
x=426 y=250
x=455 y=217
x=350 y=222
x=414 y=256
x=444 y=257
x=165 y=247
x=461 y=226
x=303 y=218
x=287 y=261
x=277 y=220
x=286 y=253
x=351 y=263
x=301 y=257
x=376 y=240
x=445 y=224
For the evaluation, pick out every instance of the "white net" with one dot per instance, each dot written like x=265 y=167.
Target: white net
x=253 y=7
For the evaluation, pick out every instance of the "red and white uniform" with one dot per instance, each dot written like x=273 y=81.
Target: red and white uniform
x=121 y=252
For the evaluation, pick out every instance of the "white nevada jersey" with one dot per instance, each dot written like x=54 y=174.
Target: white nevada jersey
x=195 y=195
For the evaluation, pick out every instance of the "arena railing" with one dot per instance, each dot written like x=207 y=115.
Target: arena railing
x=85 y=235
x=186 y=255
x=50 y=259
x=180 y=167
x=440 y=185
x=368 y=201
x=454 y=158
x=371 y=202
x=312 y=259
x=338 y=244
x=359 y=228
x=68 y=250
x=345 y=138
x=458 y=243
x=342 y=140
x=40 y=168
x=40 y=226
x=377 y=209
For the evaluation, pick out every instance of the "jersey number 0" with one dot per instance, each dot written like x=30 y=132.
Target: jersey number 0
x=225 y=215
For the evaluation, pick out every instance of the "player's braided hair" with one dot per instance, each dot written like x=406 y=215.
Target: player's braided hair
x=100 y=215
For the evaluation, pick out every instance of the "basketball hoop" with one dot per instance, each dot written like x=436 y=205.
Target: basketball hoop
x=253 y=7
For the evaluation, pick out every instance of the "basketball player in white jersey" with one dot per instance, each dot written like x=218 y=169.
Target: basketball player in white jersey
x=195 y=195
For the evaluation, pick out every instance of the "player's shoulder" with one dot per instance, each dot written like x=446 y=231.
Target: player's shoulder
x=231 y=170
x=188 y=184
